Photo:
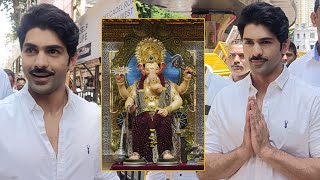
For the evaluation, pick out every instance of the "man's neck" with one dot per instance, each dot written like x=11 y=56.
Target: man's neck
x=261 y=82
x=237 y=78
x=53 y=102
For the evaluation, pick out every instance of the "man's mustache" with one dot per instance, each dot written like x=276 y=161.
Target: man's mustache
x=236 y=65
x=41 y=70
x=258 y=58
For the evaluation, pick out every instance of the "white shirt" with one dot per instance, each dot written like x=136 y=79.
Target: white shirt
x=213 y=83
x=230 y=78
x=307 y=68
x=5 y=87
x=153 y=175
x=26 y=152
x=291 y=109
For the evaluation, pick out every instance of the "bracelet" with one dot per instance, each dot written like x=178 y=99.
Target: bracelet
x=187 y=79
x=119 y=84
x=168 y=108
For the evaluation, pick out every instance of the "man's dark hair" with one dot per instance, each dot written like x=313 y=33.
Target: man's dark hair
x=10 y=73
x=21 y=79
x=47 y=16
x=293 y=48
x=261 y=13
x=316 y=5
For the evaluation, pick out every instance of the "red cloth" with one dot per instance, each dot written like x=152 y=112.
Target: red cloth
x=181 y=166
x=141 y=126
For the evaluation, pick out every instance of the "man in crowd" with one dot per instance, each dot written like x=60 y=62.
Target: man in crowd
x=238 y=66
x=266 y=126
x=11 y=77
x=236 y=62
x=20 y=83
x=5 y=88
x=46 y=131
x=290 y=55
x=307 y=67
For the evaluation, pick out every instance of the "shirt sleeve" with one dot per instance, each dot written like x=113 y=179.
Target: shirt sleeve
x=5 y=87
x=106 y=176
x=99 y=175
x=314 y=132
x=152 y=175
x=213 y=144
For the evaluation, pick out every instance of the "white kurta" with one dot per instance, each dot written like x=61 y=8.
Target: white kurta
x=26 y=152
x=291 y=109
x=307 y=68
x=5 y=87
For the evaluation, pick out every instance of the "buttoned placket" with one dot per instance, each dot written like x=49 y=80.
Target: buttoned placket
x=266 y=100
x=57 y=161
x=38 y=114
x=61 y=146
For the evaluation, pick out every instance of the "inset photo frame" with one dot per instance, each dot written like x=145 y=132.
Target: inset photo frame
x=153 y=94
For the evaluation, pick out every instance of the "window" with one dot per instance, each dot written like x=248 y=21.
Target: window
x=312 y=35
x=311 y=46
x=297 y=47
x=298 y=36
x=304 y=35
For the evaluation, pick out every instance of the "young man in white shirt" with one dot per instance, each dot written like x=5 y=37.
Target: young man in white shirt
x=47 y=132
x=236 y=62
x=5 y=87
x=266 y=126
x=307 y=67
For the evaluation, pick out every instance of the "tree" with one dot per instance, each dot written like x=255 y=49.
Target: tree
x=158 y=12
x=144 y=10
x=151 y=11
x=15 y=8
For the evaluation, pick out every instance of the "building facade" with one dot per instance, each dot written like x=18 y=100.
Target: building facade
x=305 y=38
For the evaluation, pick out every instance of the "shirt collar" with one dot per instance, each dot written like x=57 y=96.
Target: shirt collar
x=27 y=99
x=315 y=50
x=230 y=78
x=280 y=81
x=282 y=78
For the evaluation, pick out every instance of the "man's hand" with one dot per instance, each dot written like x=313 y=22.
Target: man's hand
x=246 y=144
x=259 y=130
x=163 y=112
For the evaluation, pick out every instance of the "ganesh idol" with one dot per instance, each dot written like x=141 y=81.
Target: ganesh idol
x=151 y=101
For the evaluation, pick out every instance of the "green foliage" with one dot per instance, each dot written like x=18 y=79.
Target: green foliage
x=10 y=37
x=144 y=10
x=158 y=12
x=149 y=11
x=11 y=8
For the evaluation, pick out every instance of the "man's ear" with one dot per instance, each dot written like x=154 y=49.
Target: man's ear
x=314 y=17
x=73 y=60
x=285 y=46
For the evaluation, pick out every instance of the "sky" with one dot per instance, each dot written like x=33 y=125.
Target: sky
x=5 y=51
